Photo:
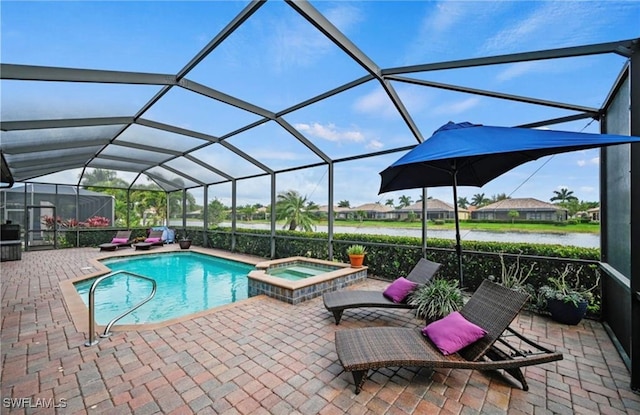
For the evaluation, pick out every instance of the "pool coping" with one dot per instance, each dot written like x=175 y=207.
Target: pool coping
x=79 y=312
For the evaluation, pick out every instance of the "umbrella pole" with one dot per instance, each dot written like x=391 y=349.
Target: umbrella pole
x=455 y=211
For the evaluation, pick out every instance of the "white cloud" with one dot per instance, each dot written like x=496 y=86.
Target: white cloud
x=457 y=107
x=344 y=16
x=377 y=102
x=375 y=145
x=518 y=69
x=550 y=24
x=330 y=132
x=435 y=30
x=294 y=42
x=595 y=161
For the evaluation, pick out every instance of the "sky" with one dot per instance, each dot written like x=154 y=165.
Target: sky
x=276 y=60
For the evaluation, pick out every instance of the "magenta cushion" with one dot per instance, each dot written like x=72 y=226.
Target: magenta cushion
x=119 y=240
x=453 y=333
x=152 y=240
x=398 y=290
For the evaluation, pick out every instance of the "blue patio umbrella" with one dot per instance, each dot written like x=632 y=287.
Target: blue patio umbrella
x=466 y=154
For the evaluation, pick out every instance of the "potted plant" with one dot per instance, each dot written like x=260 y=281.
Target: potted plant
x=356 y=255
x=566 y=302
x=437 y=299
x=184 y=241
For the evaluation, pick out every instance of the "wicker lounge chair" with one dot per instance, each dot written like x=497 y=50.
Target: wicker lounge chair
x=338 y=301
x=154 y=239
x=112 y=246
x=491 y=307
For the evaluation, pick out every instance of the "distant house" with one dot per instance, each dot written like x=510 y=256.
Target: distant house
x=436 y=209
x=338 y=212
x=594 y=214
x=527 y=208
x=375 y=211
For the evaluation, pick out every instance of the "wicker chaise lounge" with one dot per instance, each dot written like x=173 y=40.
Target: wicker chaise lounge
x=491 y=307
x=338 y=301
x=154 y=239
x=122 y=239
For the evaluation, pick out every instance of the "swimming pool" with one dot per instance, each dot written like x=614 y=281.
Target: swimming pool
x=188 y=282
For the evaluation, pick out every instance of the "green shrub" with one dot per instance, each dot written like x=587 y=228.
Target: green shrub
x=389 y=257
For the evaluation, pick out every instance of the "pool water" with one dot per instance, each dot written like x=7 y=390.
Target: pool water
x=187 y=282
x=297 y=272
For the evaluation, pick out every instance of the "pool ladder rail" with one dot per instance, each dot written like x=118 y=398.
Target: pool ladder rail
x=92 y=291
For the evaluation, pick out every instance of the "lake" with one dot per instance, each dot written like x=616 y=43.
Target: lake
x=585 y=240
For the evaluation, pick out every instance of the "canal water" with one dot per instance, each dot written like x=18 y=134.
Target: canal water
x=585 y=240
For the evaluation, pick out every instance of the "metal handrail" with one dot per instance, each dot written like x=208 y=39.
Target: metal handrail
x=92 y=291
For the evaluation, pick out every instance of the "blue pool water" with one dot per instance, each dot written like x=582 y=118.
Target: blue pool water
x=298 y=272
x=187 y=282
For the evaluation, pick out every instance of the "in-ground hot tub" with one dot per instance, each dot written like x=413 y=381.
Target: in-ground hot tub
x=298 y=279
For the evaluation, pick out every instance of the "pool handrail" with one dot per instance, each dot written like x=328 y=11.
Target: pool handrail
x=92 y=332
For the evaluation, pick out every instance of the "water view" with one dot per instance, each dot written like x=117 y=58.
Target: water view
x=584 y=240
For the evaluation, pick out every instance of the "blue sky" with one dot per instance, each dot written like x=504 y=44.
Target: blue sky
x=276 y=59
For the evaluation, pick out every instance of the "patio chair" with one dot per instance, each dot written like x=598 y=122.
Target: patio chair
x=153 y=239
x=492 y=307
x=338 y=301
x=122 y=239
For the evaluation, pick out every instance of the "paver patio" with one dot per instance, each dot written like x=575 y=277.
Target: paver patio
x=262 y=356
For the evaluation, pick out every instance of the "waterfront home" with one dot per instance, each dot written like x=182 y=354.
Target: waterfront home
x=526 y=208
x=436 y=209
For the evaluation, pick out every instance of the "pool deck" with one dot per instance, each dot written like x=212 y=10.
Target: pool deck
x=263 y=356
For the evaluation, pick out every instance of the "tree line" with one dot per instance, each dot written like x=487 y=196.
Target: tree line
x=149 y=204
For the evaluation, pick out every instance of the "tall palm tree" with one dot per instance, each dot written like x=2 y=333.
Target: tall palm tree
x=296 y=211
x=463 y=202
x=563 y=195
x=405 y=201
x=389 y=202
x=479 y=200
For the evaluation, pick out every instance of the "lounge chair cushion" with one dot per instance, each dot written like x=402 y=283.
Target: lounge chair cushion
x=152 y=240
x=398 y=290
x=453 y=333
x=119 y=240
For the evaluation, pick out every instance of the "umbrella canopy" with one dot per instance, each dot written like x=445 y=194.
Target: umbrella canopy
x=468 y=154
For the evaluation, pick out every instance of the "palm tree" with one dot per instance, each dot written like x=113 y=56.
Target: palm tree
x=389 y=202
x=405 y=201
x=463 y=202
x=479 y=199
x=344 y=204
x=296 y=211
x=563 y=195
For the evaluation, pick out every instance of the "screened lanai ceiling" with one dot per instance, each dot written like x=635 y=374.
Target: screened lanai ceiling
x=186 y=94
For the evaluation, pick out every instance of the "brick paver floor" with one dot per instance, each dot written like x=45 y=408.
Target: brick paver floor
x=262 y=356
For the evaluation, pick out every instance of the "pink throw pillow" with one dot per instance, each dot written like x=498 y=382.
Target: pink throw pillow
x=119 y=240
x=152 y=240
x=453 y=333
x=399 y=290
